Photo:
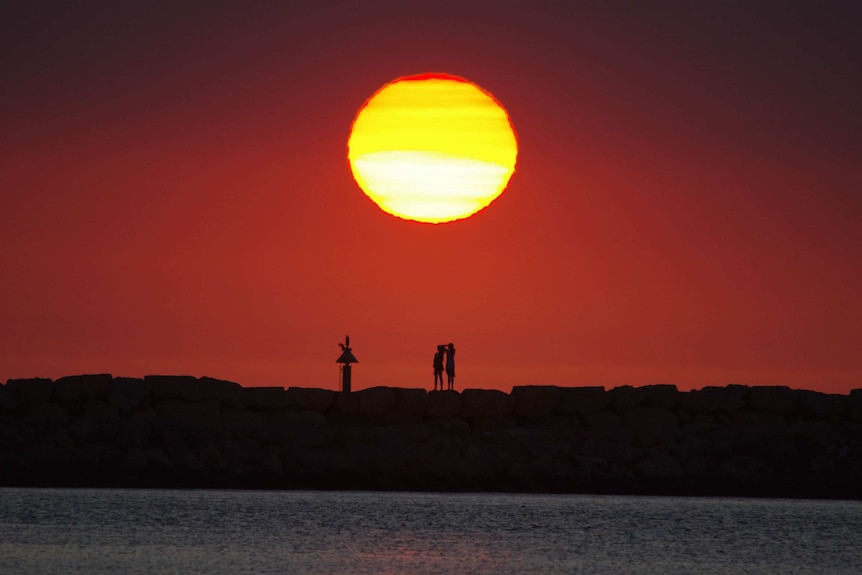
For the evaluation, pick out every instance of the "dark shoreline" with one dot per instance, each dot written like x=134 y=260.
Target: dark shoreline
x=201 y=433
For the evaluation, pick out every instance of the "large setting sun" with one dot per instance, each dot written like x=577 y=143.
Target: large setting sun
x=432 y=148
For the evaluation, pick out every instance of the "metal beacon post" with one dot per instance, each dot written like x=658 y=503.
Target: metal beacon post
x=345 y=359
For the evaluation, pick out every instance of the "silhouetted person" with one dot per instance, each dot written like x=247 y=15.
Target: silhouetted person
x=450 y=365
x=438 y=366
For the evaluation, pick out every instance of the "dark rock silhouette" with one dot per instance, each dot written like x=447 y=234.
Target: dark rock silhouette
x=533 y=401
x=182 y=431
x=184 y=387
x=444 y=404
x=128 y=393
x=34 y=391
x=79 y=389
x=485 y=403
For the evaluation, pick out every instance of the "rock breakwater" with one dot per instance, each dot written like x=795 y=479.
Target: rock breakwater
x=182 y=431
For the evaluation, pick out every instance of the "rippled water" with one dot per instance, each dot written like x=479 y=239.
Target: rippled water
x=215 y=532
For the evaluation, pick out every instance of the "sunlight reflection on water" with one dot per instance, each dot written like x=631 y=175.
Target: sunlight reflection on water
x=214 y=532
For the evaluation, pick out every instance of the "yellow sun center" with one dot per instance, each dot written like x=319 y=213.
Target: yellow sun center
x=432 y=148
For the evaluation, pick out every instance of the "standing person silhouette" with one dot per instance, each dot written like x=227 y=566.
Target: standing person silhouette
x=450 y=365
x=438 y=366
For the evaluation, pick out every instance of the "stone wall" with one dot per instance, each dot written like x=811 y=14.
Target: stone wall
x=181 y=431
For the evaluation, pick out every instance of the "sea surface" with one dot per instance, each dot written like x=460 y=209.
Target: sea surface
x=92 y=531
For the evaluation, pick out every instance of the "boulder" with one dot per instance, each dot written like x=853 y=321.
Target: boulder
x=626 y=397
x=649 y=419
x=137 y=459
x=148 y=459
x=661 y=395
x=310 y=399
x=815 y=405
x=48 y=415
x=659 y=466
x=51 y=455
x=101 y=410
x=266 y=398
x=412 y=400
x=725 y=440
x=854 y=405
x=763 y=420
x=615 y=474
x=77 y=389
x=496 y=423
x=225 y=392
x=714 y=399
x=590 y=469
x=128 y=393
x=451 y=424
x=812 y=436
x=183 y=387
x=270 y=462
x=243 y=422
x=781 y=454
x=33 y=391
x=346 y=403
x=602 y=420
x=822 y=465
x=376 y=400
x=398 y=417
x=288 y=418
x=481 y=462
x=8 y=403
x=444 y=404
x=582 y=400
x=691 y=444
x=99 y=420
x=742 y=470
x=239 y=453
x=611 y=450
x=554 y=421
x=535 y=400
x=775 y=399
x=605 y=425
x=699 y=468
x=136 y=429
x=206 y=412
x=67 y=392
x=479 y=403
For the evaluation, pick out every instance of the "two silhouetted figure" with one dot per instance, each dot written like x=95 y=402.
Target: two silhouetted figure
x=449 y=353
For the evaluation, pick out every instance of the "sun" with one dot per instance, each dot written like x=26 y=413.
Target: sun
x=432 y=148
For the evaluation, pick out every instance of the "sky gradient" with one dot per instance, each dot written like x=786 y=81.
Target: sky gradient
x=175 y=195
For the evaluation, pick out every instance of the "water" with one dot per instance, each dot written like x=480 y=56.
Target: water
x=61 y=531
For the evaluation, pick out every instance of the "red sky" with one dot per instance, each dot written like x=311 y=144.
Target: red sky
x=175 y=195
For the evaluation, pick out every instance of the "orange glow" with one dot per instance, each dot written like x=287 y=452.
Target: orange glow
x=432 y=148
